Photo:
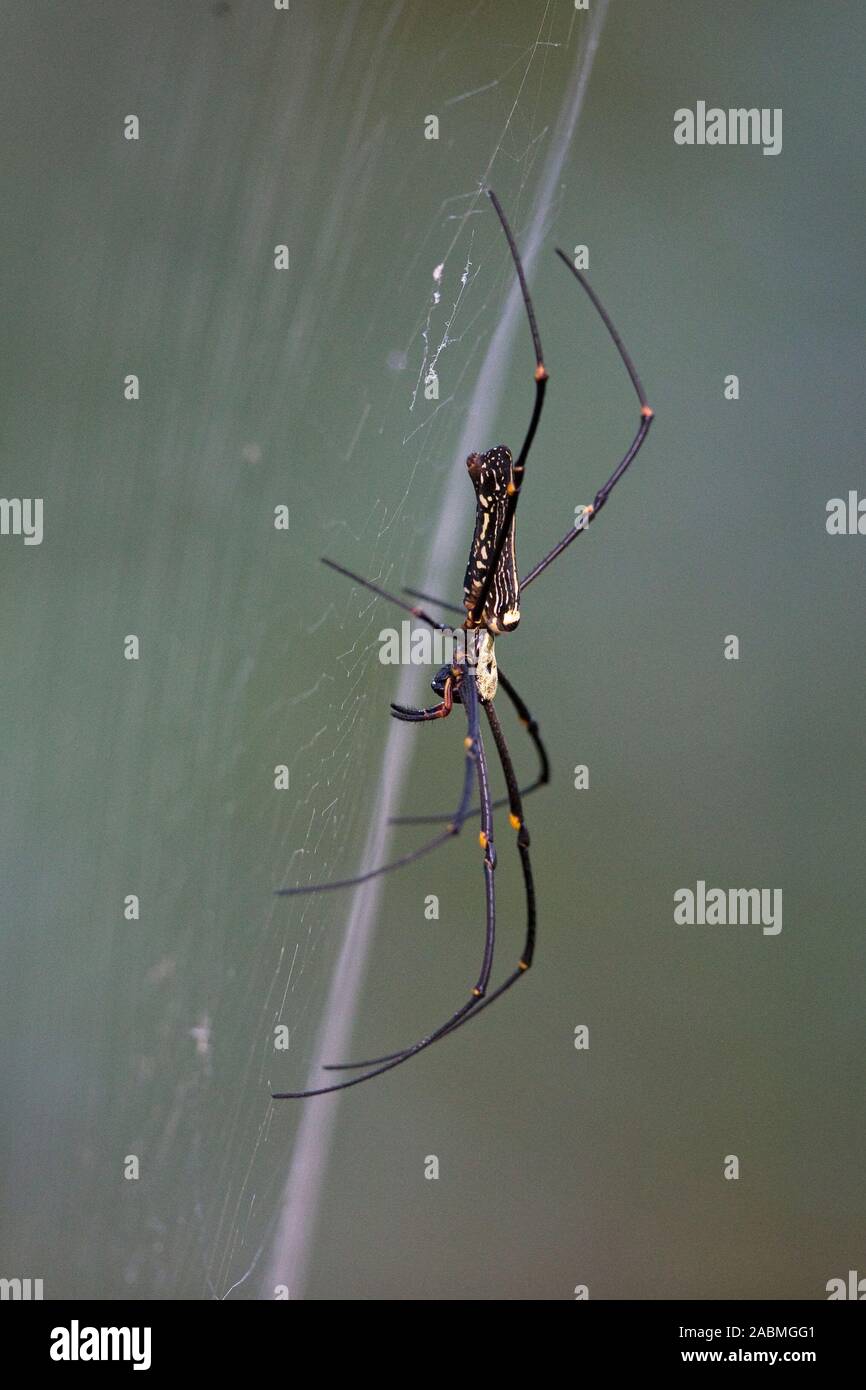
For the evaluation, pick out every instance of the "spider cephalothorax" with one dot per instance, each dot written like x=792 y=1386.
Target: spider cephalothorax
x=481 y=656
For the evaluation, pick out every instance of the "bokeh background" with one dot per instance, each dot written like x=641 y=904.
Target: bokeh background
x=262 y=388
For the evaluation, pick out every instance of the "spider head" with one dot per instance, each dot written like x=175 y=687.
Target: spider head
x=438 y=683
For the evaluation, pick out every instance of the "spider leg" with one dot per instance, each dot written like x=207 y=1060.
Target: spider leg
x=541 y=779
x=440 y=711
x=518 y=823
x=419 y=716
x=455 y=825
x=419 y=613
x=475 y=752
x=531 y=726
x=646 y=419
x=440 y=602
x=540 y=377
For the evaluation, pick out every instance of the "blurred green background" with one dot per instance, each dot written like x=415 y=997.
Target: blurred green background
x=262 y=388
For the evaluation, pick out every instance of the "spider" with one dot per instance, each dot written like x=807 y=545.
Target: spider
x=491 y=603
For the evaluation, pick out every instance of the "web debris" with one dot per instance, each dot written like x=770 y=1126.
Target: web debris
x=427 y=372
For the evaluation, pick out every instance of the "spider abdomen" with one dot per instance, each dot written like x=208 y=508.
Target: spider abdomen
x=492 y=477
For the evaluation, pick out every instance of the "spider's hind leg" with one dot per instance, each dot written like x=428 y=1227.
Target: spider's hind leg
x=476 y=761
x=525 y=962
x=541 y=778
x=454 y=825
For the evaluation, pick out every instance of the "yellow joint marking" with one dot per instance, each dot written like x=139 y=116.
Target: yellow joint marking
x=541 y=372
x=452 y=826
x=521 y=965
x=516 y=822
x=477 y=992
x=511 y=489
x=482 y=840
x=647 y=412
x=467 y=743
x=588 y=511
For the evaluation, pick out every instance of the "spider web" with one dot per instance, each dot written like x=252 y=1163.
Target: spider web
x=348 y=766
x=315 y=399
x=147 y=1040
x=303 y=1188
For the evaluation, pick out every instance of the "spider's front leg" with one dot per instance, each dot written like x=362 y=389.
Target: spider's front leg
x=440 y=711
x=446 y=683
x=647 y=415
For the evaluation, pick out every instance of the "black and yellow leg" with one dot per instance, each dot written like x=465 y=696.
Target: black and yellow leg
x=541 y=779
x=476 y=759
